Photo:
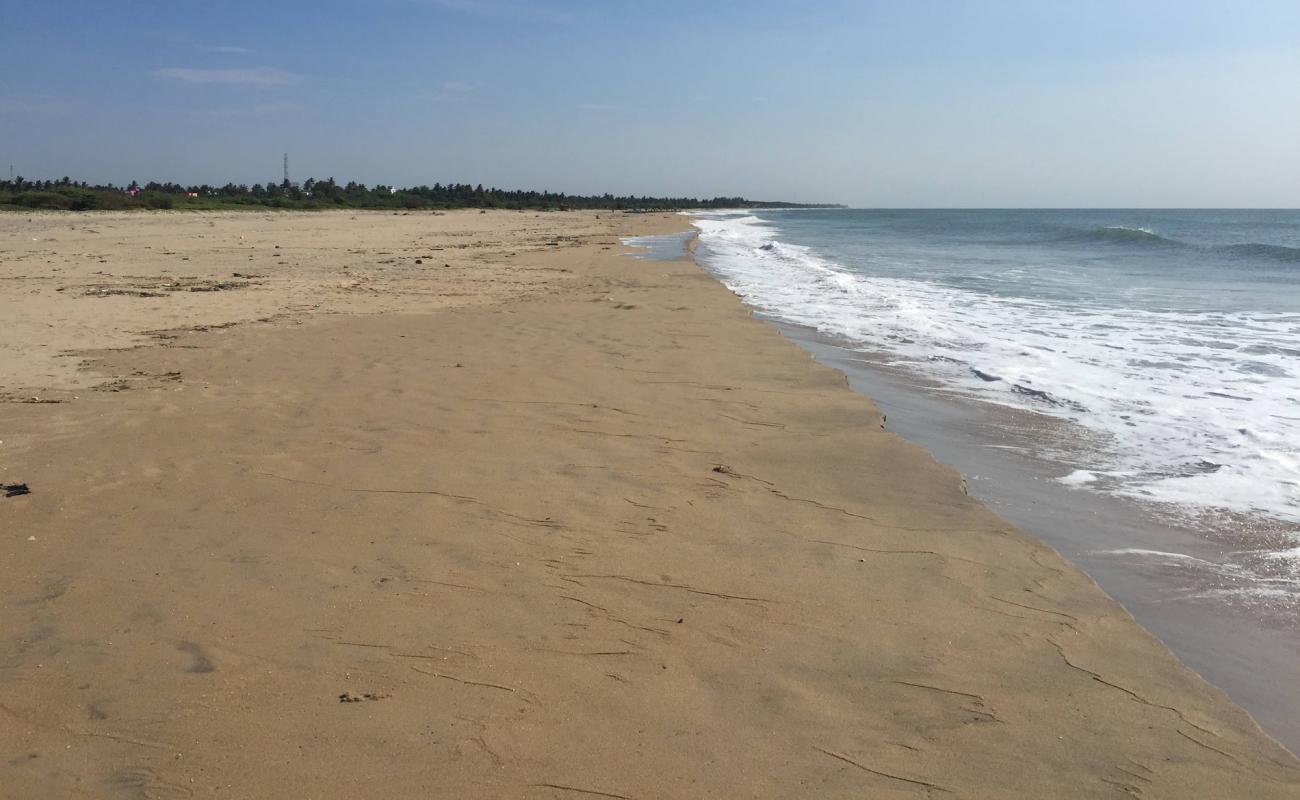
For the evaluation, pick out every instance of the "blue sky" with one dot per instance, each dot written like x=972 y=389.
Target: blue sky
x=877 y=104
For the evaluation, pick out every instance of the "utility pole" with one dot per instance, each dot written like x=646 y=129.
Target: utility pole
x=286 y=170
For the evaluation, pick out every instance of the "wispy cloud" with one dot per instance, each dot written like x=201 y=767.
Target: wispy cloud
x=453 y=90
x=246 y=112
x=251 y=76
x=228 y=49
x=505 y=9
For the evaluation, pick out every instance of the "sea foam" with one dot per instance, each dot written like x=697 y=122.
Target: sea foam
x=1197 y=409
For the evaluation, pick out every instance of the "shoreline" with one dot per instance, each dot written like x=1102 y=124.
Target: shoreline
x=1175 y=577
x=1246 y=654
x=599 y=531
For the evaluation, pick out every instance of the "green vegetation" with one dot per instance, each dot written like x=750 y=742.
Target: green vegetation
x=69 y=195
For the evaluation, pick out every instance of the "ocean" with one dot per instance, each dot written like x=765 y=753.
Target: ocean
x=1124 y=384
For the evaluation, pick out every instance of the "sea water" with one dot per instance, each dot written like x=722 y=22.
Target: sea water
x=1169 y=340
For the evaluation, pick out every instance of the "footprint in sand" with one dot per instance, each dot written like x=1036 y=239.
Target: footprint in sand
x=201 y=663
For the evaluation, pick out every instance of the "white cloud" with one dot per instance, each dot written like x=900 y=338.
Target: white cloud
x=252 y=76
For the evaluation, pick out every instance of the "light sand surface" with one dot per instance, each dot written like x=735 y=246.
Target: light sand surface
x=76 y=282
x=558 y=524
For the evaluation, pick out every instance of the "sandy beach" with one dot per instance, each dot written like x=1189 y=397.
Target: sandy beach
x=361 y=504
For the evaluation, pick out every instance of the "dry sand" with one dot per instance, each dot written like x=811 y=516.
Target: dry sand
x=546 y=522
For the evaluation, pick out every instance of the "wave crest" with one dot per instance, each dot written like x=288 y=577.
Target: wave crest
x=1122 y=234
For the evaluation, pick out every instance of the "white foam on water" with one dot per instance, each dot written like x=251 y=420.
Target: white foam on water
x=1197 y=409
x=1292 y=554
x=1159 y=554
x=1080 y=477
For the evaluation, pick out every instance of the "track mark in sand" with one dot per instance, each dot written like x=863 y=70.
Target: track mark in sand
x=1034 y=557
x=1032 y=608
x=615 y=409
x=116 y=737
x=780 y=425
x=865 y=768
x=643 y=505
x=1223 y=753
x=392 y=650
x=492 y=754
x=1137 y=697
x=449 y=584
x=524 y=695
x=612 y=618
x=746 y=403
x=585 y=652
x=545 y=523
x=1133 y=774
x=718 y=388
x=627 y=435
x=1126 y=788
x=848 y=513
x=681 y=586
x=323 y=485
x=723 y=469
x=579 y=790
x=885 y=551
x=147 y=783
x=938 y=689
x=979 y=700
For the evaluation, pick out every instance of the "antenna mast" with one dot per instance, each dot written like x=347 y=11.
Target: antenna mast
x=286 y=169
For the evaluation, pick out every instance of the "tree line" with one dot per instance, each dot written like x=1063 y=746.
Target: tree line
x=70 y=195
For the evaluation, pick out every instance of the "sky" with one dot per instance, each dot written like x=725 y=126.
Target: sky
x=874 y=104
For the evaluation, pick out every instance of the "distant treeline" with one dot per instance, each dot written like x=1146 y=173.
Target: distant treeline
x=67 y=194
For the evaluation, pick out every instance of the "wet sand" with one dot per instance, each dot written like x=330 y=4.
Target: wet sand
x=1189 y=596
x=546 y=522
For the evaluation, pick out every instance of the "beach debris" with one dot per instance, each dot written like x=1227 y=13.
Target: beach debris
x=15 y=489
x=723 y=469
x=348 y=697
x=31 y=538
x=160 y=286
